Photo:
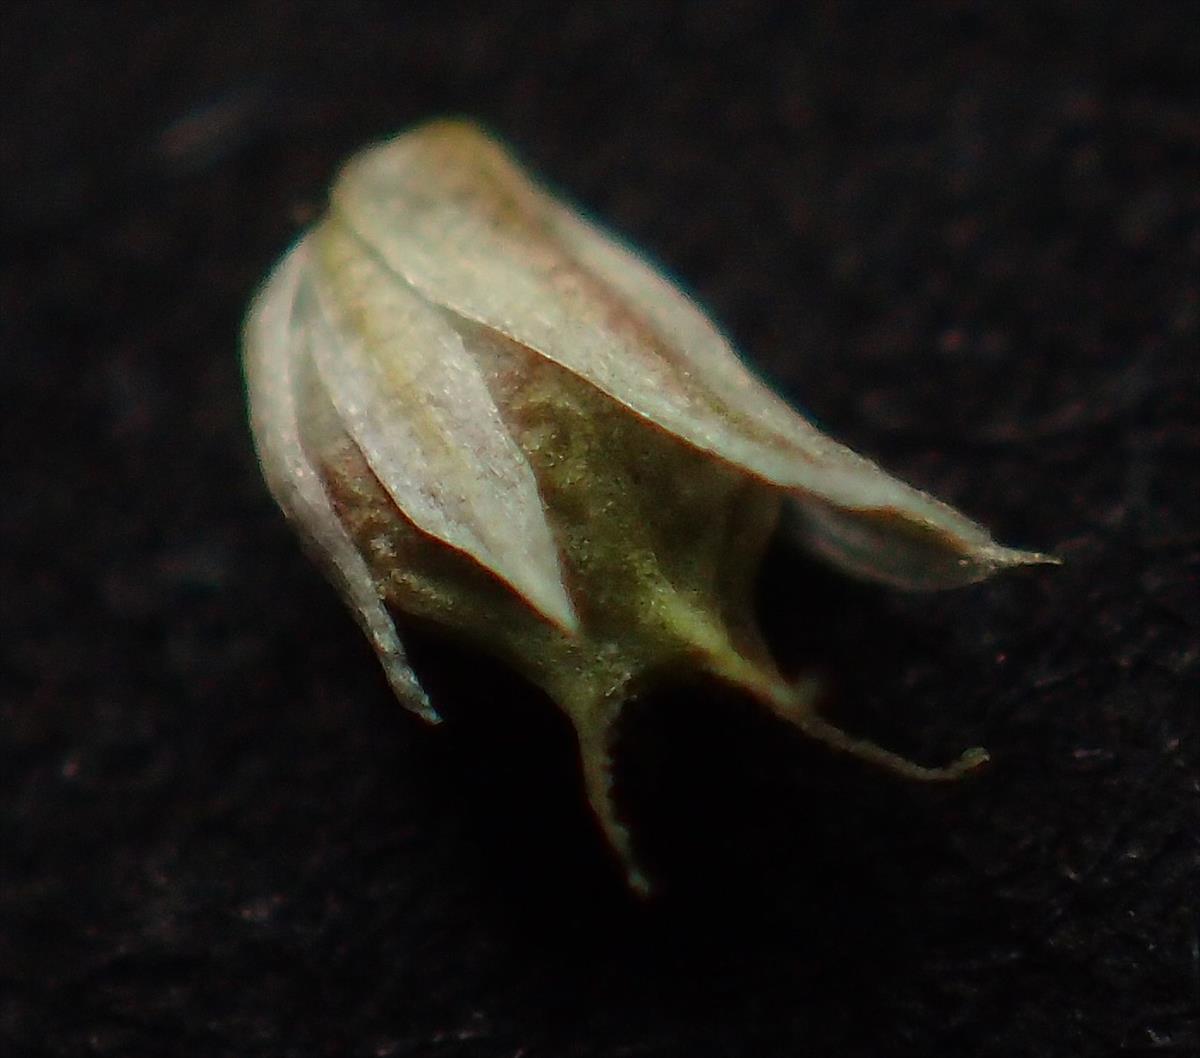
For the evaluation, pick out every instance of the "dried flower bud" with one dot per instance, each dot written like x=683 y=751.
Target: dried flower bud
x=482 y=411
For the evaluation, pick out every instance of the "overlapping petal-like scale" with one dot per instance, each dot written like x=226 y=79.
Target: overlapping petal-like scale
x=415 y=403
x=275 y=352
x=452 y=216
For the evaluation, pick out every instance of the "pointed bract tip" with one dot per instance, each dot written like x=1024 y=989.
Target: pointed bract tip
x=1008 y=556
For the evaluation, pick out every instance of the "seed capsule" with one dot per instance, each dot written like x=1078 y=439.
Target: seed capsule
x=480 y=410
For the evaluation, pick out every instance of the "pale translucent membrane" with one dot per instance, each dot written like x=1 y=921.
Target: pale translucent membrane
x=455 y=219
x=415 y=403
x=275 y=344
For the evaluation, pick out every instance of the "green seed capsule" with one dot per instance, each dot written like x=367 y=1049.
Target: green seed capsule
x=480 y=410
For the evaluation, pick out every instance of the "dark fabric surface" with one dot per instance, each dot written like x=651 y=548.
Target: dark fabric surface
x=965 y=237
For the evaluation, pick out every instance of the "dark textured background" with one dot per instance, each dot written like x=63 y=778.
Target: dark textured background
x=964 y=236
